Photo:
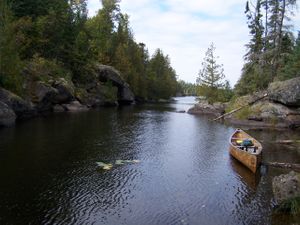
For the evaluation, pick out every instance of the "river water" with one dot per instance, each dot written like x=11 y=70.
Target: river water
x=48 y=171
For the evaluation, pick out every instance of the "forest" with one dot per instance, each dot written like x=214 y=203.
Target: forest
x=273 y=53
x=58 y=38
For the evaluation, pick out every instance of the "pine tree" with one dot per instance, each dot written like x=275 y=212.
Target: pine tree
x=270 y=45
x=212 y=73
x=211 y=76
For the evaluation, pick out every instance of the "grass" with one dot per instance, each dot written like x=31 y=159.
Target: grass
x=291 y=206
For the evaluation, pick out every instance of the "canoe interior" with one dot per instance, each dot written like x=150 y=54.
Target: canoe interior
x=250 y=156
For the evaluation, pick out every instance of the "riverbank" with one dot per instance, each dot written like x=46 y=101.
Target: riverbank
x=278 y=107
x=62 y=95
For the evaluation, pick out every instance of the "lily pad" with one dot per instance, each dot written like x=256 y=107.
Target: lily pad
x=122 y=162
x=119 y=162
x=104 y=166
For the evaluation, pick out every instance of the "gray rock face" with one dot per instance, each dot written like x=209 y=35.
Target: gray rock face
x=44 y=95
x=7 y=115
x=21 y=108
x=43 y=92
x=286 y=92
x=286 y=186
x=65 y=91
x=205 y=108
x=108 y=73
x=75 y=106
x=58 y=109
x=96 y=96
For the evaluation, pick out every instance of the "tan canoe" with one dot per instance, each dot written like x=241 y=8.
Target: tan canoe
x=249 y=155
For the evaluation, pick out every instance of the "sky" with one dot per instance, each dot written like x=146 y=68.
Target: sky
x=185 y=29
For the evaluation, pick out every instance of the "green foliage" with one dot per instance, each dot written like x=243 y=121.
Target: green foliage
x=10 y=63
x=56 y=39
x=43 y=69
x=292 y=67
x=161 y=77
x=110 y=92
x=270 y=50
x=290 y=206
x=211 y=79
x=186 y=89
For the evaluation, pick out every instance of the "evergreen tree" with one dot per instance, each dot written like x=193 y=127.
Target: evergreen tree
x=211 y=76
x=270 y=45
x=102 y=28
x=292 y=65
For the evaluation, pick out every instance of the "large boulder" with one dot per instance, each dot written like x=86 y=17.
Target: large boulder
x=75 y=106
x=7 y=115
x=43 y=95
x=286 y=92
x=108 y=73
x=204 y=108
x=286 y=186
x=97 y=96
x=65 y=91
x=46 y=95
x=21 y=108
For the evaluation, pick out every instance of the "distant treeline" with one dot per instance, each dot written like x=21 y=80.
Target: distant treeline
x=58 y=34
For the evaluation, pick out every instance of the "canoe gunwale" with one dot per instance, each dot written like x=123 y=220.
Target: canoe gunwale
x=250 y=159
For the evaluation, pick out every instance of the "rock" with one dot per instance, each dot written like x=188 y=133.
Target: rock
x=20 y=107
x=7 y=115
x=108 y=73
x=96 y=97
x=42 y=91
x=75 y=106
x=274 y=113
x=286 y=186
x=58 y=108
x=65 y=91
x=203 y=107
x=43 y=95
x=286 y=92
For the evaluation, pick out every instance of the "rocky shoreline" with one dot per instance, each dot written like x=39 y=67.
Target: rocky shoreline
x=280 y=108
x=62 y=95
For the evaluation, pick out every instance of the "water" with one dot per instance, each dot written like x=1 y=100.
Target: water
x=48 y=171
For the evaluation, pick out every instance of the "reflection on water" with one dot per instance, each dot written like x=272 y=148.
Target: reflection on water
x=48 y=173
x=246 y=176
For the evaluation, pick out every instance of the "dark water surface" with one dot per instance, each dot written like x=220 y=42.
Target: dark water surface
x=48 y=171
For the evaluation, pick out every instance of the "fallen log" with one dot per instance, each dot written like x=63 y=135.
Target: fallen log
x=293 y=166
x=287 y=141
x=235 y=110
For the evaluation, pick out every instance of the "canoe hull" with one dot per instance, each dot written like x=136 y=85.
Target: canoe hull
x=249 y=160
x=252 y=157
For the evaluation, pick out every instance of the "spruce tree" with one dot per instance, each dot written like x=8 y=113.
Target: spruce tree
x=211 y=75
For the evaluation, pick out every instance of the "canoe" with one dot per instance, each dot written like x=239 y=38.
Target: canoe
x=245 y=149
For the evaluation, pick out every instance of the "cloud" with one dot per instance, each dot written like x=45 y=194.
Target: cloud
x=184 y=30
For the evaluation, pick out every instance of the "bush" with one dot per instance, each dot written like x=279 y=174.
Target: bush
x=43 y=69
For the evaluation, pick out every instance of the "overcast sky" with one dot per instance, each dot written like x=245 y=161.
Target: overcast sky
x=184 y=30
